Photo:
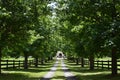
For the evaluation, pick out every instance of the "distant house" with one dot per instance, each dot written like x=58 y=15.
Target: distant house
x=59 y=54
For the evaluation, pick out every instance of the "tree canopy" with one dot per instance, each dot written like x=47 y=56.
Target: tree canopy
x=40 y=28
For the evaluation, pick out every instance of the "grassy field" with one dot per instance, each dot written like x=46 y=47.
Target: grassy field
x=30 y=74
x=86 y=74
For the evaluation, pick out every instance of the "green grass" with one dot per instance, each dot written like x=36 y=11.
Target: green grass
x=86 y=74
x=30 y=74
x=37 y=73
x=104 y=58
x=59 y=74
x=11 y=58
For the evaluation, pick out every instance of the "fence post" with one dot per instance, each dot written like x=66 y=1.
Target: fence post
x=97 y=64
x=19 y=64
x=13 y=64
x=108 y=64
x=23 y=62
x=82 y=62
x=29 y=63
x=38 y=61
x=7 y=64
x=102 y=64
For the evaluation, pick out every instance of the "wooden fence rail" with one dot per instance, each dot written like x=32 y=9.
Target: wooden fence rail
x=105 y=64
x=5 y=64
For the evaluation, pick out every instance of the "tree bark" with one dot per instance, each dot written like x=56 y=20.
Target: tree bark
x=49 y=58
x=114 y=49
x=77 y=61
x=26 y=61
x=42 y=61
x=36 y=62
x=114 y=61
x=91 y=62
x=82 y=62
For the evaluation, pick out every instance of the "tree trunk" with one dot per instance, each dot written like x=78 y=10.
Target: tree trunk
x=77 y=61
x=114 y=49
x=42 y=61
x=45 y=60
x=36 y=62
x=114 y=61
x=82 y=62
x=91 y=62
x=49 y=58
x=26 y=61
x=73 y=59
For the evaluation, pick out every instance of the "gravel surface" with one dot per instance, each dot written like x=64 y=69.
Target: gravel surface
x=68 y=75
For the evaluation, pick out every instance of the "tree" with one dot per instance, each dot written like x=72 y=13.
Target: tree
x=14 y=20
x=92 y=15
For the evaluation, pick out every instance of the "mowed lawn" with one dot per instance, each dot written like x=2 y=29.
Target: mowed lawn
x=86 y=74
x=31 y=74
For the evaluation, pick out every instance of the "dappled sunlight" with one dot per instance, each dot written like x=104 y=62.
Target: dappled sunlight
x=15 y=72
x=59 y=74
x=59 y=39
x=95 y=73
x=26 y=74
x=32 y=74
x=67 y=73
x=51 y=73
x=84 y=73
